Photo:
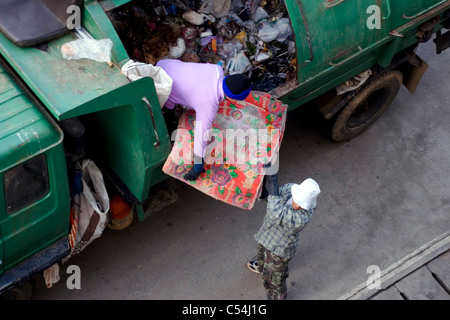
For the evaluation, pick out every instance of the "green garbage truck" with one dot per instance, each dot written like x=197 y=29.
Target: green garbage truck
x=54 y=112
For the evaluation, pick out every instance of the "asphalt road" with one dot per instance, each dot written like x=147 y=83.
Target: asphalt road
x=384 y=195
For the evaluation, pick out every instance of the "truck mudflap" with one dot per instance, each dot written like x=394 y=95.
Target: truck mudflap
x=34 y=265
x=161 y=196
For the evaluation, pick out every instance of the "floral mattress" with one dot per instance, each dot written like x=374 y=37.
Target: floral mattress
x=246 y=135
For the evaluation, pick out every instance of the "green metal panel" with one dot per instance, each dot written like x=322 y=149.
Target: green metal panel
x=338 y=36
x=98 y=24
x=334 y=43
x=67 y=87
x=405 y=10
x=41 y=223
x=26 y=132
x=406 y=13
x=124 y=138
x=405 y=19
x=64 y=86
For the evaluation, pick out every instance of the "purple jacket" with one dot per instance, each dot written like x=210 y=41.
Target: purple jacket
x=197 y=86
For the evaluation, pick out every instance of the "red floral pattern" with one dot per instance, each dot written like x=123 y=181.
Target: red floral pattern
x=235 y=182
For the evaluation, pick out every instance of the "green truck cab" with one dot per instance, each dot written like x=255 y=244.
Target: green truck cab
x=46 y=101
x=33 y=192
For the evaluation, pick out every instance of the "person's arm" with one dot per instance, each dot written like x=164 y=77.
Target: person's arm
x=203 y=123
x=275 y=203
x=284 y=215
x=305 y=215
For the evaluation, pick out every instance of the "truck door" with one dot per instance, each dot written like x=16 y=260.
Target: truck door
x=24 y=185
x=36 y=215
x=34 y=199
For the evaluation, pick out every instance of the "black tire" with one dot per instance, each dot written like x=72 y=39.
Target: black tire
x=367 y=106
x=23 y=291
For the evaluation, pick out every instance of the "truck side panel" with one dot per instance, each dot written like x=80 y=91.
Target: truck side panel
x=125 y=140
x=333 y=46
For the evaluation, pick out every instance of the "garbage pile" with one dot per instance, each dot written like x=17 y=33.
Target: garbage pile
x=252 y=37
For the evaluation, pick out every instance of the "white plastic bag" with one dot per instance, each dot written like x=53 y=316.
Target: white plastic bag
x=98 y=50
x=268 y=32
x=280 y=30
x=51 y=275
x=354 y=83
x=163 y=83
x=93 y=207
x=260 y=15
x=284 y=28
x=178 y=50
x=194 y=17
x=238 y=64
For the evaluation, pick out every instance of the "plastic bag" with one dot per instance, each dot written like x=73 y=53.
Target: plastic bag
x=219 y=8
x=194 y=17
x=354 y=83
x=284 y=29
x=280 y=30
x=98 y=50
x=163 y=83
x=238 y=64
x=268 y=32
x=230 y=49
x=93 y=207
x=51 y=275
x=178 y=50
x=260 y=15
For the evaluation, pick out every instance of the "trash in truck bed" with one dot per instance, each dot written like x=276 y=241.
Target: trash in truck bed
x=243 y=36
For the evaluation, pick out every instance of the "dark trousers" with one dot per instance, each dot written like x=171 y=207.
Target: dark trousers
x=275 y=271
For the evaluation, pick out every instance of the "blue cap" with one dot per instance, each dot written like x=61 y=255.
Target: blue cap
x=237 y=86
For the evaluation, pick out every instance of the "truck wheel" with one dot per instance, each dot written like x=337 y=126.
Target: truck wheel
x=23 y=291
x=367 y=106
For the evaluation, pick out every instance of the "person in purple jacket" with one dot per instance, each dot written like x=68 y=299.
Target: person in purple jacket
x=202 y=87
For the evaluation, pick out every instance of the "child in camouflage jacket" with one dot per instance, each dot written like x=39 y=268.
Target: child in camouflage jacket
x=287 y=214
